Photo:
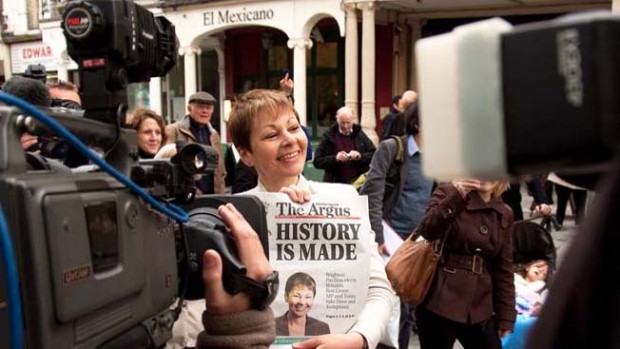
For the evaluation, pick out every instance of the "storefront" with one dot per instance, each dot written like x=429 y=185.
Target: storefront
x=50 y=52
x=230 y=48
x=357 y=53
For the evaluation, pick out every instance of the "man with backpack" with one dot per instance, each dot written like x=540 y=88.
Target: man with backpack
x=398 y=193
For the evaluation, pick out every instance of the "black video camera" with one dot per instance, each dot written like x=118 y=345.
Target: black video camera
x=37 y=72
x=98 y=267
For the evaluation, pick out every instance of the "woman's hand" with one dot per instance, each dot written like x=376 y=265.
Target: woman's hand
x=383 y=251
x=27 y=140
x=351 y=340
x=298 y=194
x=543 y=209
x=287 y=84
x=464 y=186
x=220 y=302
x=502 y=333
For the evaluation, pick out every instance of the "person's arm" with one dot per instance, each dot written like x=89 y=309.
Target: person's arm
x=171 y=133
x=385 y=127
x=324 y=156
x=367 y=149
x=309 y=148
x=231 y=321
x=502 y=278
x=245 y=178
x=537 y=189
x=374 y=185
x=443 y=208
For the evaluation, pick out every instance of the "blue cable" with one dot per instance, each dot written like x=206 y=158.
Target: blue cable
x=12 y=282
x=170 y=210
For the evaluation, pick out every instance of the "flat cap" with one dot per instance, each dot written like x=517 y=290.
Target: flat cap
x=202 y=97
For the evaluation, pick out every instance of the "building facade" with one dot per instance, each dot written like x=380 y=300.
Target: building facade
x=357 y=53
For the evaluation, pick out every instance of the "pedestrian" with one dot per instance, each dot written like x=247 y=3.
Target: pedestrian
x=472 y=296
x=512 y=197
x=389 y=117
x=150 y=128
x=269 y=138
x=396 y=127
x=195 y=127
x=400 y=205
x=345 y=151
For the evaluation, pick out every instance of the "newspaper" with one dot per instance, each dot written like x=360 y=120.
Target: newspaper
x=392 y=241
x=325 y=242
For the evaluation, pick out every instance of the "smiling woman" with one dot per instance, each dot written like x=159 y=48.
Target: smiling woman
x=150 y=128
x=269 y=138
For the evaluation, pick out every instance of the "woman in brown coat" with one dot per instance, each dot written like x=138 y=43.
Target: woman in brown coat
x=472 y=298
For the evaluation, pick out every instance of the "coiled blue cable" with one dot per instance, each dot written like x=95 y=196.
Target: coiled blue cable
x=8 y=257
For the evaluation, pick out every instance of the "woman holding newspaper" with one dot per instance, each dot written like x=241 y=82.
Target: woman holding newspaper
x=269 y=138
x=472 y=297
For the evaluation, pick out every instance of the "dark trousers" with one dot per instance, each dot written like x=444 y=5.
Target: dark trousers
x=437 y=332
x=407 y=324
x=579 y=196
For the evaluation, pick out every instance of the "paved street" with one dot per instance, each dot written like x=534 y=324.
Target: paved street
x=561 y=239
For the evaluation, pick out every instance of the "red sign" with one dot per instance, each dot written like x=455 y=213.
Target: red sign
x=42 y=51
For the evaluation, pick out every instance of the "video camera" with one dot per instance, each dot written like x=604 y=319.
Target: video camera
x=503 y=101
x=98 y=267
x=37 y=72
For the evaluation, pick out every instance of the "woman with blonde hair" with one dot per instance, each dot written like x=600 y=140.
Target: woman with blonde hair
x=472 y=298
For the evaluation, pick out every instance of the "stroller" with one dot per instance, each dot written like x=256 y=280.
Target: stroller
x=531 y=241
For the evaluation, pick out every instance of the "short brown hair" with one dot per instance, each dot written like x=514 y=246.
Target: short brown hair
x=248 y=107
x=140 y=114
x=299 y=279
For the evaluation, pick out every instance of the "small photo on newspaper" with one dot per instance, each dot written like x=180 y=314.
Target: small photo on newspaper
x=322 y=251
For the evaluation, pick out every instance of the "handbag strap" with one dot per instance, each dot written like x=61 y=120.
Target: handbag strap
x=441 y=241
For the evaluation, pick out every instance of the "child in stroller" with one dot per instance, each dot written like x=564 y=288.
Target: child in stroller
x=531 y=287
x=534 y=262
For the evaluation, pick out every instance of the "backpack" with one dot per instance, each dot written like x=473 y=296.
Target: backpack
x=392 y=176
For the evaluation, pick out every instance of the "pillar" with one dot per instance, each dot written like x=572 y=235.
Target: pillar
x=351 y=79
x=416 y=34
x=368 y=115
x=221 y=72
x=189 y=59
x=155 y=95
x=299 y=46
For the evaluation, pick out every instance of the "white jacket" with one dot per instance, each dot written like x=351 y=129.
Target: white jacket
x=372 y=321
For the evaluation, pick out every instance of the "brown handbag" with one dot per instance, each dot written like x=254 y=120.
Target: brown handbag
x=412 y=268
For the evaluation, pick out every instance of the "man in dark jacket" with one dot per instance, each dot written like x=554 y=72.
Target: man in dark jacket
x=195 y=127
x=396 y=126
x=345 y=151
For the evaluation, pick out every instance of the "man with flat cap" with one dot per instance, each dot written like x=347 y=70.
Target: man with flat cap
x=195 y=127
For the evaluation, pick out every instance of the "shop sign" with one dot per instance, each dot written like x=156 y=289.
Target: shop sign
x=222 y=17
x=36 y=52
